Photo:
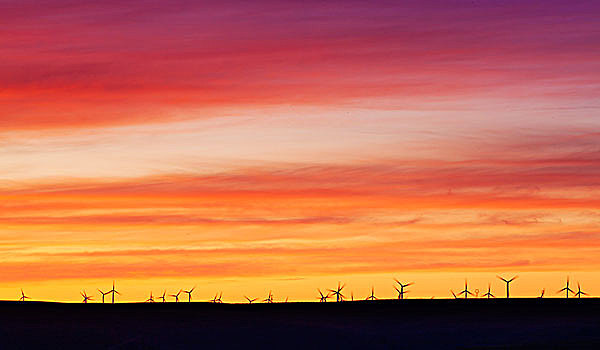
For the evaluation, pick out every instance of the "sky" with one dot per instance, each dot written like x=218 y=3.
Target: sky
x=288 y=145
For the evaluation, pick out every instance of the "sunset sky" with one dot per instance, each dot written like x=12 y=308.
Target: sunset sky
x=243 y=146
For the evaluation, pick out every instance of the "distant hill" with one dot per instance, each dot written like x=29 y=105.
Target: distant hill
x=411 y=324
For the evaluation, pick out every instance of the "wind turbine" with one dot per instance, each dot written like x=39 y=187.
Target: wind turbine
x=323 y=297
x=250 y=301
x=85 y=297
x=23 y=296
x=402 y=286
x=465 y=291
x=542 y=294
x=103 y=294
x=453 y=294
x=489 y=292
x=566 y=289
x=189 y=293
x=176 y=296
x=113 y=291
x=151 y=299
x=508 y=284
x=579 y=292
x=372 y=296
x=269 y=299
x=338 y=292
x=217 y=298
x=163 y=296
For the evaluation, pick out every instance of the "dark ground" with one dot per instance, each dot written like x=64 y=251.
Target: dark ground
x=411 y=324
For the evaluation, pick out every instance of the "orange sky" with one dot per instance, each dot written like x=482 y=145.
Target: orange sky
x=286 y=147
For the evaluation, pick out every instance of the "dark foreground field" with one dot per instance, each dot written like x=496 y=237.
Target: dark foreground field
x=474 y=324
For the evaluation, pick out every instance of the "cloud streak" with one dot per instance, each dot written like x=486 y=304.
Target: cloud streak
x=105 y=63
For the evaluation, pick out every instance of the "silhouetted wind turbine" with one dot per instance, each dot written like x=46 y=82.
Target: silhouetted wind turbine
x=163 y=296
x=23 y=296
x=217 y=298
x=85 y=297
x=176 y=296
x=338 y=292
x=269 y=298
x=113 y=291
x=508 y=284
x=189 y=293
x=151 y=299
x=103 y=294
x=566 y=289
x=542 y=294
x=579 y=292
x=465 y=291
x=489 y=292
x=453 y=294
x=323 y=297
x=402 y=286
x=372 y=296
x=250 y=301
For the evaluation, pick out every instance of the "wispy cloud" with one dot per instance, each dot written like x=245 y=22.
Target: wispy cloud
x=66 y=61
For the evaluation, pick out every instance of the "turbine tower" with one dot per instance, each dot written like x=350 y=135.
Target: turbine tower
x=176 y=296
x=323 y=297
x=508 y=284
x=338 y=292
x=151 y=299
x=372 y=296
x=113 y=291
x=162 y=297
x=103 y=294
x=566 y=289
x=217 y=298
x=23 y=296
x=489 y=292
x=402 y=286
x=189 y=293
x=269 y=299
x=579 y=291
x=85 y=297
x=465 y=291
